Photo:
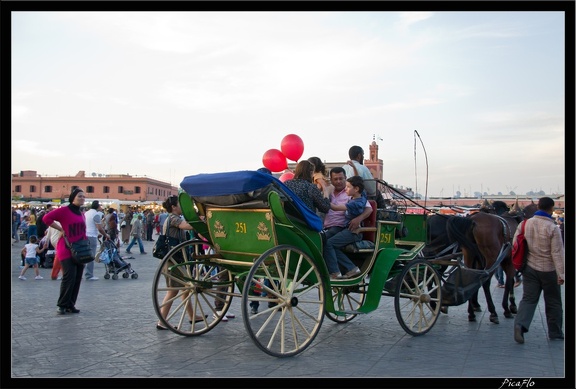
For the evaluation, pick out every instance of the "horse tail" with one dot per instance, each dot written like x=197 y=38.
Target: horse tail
x=460 y=229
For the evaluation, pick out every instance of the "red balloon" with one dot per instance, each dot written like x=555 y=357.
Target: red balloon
x=274 y=160
x=286 y=176
x=292 y=147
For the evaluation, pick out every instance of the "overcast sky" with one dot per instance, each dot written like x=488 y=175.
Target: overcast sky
x=172 y=94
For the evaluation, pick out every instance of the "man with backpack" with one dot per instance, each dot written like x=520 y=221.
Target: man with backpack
x=544 y=272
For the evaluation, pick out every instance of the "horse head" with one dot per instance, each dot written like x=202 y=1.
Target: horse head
x=500 y=207
x=529 y=210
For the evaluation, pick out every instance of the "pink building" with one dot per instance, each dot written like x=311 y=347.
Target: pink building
x=28 y=185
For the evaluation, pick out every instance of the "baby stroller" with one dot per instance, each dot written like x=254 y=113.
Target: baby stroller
x=109 y=256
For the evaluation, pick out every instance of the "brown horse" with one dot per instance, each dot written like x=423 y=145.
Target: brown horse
x=483 y=239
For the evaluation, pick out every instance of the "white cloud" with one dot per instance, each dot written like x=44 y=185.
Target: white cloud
x=33 y=150
x=19 y=111
x=407 y=19
x=199 y=92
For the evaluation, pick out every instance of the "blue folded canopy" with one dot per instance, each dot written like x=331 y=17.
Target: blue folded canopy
x=242 y=183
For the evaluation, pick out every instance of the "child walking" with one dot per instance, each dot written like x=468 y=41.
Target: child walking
x=30 y=252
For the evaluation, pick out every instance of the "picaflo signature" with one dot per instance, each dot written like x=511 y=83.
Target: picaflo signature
x=525 y=383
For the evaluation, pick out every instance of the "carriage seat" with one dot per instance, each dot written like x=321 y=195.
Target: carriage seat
x=368 y=230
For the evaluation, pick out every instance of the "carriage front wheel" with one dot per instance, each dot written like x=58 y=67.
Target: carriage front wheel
x=418 y=297
x=283 y=301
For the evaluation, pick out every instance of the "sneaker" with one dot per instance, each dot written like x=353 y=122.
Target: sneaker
x=61 y=311
x=219 y=314
x=335 y=276
x=38 y=278
x=230 y=315
x=72 y=310
x=254 y=307
x=22 y=278
x=352 y=273
x=93 y=278
x=59 y=278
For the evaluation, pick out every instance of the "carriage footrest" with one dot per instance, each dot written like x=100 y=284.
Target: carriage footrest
x=362 y=246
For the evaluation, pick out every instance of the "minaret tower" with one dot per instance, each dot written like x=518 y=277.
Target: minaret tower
x=375 y=165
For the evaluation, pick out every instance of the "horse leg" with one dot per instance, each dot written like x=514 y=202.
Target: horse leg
x=509 y=293
x=472 y=303
x=489 y=302
x=476 y=305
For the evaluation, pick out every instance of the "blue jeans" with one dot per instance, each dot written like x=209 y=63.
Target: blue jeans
x=32 y=230
x=336 y=239
x=89 y=268
x=133 y=241
x=500 y=275
x=15 y=231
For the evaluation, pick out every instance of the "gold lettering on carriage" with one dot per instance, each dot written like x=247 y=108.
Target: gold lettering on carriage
x=263 y=233
x=219 y=231
x=385 y=237
x=241 y=227
x=512 y=383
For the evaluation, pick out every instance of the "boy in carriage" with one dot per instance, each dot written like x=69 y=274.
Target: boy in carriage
x=336 y=240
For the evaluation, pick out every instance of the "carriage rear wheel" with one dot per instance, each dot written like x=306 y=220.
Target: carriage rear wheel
x=289 y=292
x=418 y=297
x=347 y=298
x=187 y=286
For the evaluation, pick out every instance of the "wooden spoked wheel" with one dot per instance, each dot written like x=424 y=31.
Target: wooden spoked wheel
x=418 y=297
x=187 y=286
x=283 y=301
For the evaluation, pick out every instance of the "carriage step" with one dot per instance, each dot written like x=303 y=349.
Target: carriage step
x=349 y=313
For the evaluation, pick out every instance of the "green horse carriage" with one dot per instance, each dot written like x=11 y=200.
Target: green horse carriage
x=264 y=246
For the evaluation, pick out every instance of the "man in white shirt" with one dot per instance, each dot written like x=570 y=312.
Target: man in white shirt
x=355 y=167
x=94 y=227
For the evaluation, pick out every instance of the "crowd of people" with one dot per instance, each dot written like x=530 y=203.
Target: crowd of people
x=30 y=224
x=339 y=198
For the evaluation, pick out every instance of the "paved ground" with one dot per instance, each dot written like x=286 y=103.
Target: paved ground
x=114 y=336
